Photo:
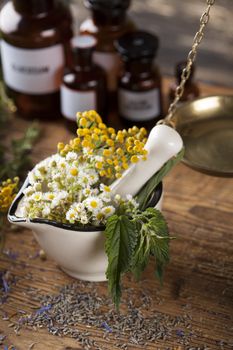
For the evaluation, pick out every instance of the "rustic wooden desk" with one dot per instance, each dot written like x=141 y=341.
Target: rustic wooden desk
x=198 y=281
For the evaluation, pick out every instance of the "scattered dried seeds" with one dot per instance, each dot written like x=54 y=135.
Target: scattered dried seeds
x=80 y=305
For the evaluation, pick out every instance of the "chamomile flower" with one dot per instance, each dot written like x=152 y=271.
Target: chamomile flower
x=71 y=156
x=37 y=196
x=105 y=189
x=71 y=216
x=49 y=196
x=28 y=191
x=80 y=207
x=84 y=219
x=93 y=177
x=87 y=191
x=106 y=198
x=108 y=211
x=93 y=203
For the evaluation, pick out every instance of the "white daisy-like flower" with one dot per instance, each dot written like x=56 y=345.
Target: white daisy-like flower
x=80 y=208
x=93 y=177
x=62 y=164
x=37 y=196
x=84 y=219
x=49 y=196
x=28 y=191
x=93 y=203
x=71 y=215
x=108 y=211
x=88 y=191
x=52 y=161
x=71 y=156
x=106 y=198
x=104 y=188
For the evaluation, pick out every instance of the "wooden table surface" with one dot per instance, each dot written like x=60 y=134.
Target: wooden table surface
x=198 y=280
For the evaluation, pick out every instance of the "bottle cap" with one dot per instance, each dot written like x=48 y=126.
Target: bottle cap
x=109 y=6
x=137 y=45
x=83 y=42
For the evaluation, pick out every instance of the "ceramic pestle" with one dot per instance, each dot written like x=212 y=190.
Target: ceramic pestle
x=163 y=143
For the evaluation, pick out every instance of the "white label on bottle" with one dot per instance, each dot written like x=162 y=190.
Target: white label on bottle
x=33 y=71
x=76 y=101
x=111 y=63
x=139 y=106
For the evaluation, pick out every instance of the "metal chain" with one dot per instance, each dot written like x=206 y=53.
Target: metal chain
x=187 y=70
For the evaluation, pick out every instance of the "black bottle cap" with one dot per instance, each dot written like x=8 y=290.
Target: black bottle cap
x=108 y=5
x=179 y=69
x=137 y=45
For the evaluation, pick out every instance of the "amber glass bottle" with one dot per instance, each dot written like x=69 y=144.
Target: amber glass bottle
x=109 y=21
x=36 y=35
x=84 y=86
x=139 y=86
x=191 y=90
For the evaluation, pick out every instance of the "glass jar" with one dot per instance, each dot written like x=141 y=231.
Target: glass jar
x=108 y=22
x=139 y=86
x=191 y=89
x=34 y=47
x=84 y=86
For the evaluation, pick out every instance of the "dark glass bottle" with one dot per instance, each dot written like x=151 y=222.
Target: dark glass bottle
x=191 y=90
x=84 y=86
x=139 y=86
x=35 y=46
x=108 y=23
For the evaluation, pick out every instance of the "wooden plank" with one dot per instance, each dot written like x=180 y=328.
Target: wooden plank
x=198 y=281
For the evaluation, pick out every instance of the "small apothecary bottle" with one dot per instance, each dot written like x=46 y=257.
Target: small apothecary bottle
x=34 y=48
x=139 y=86
x=109 y=21
x=191 y=90
x=84 y=86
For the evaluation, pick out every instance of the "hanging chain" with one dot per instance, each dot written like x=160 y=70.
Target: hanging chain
x=187 y=70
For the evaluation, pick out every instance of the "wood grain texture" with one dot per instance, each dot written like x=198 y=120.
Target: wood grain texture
x=198 y=281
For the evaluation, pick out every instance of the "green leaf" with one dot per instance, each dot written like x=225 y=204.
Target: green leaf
x=121 y=238
x=141 y=256
x=145 y=193
x=153 y=239
x=160 y=241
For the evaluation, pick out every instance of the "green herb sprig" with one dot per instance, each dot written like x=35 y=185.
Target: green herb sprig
x=132 y=237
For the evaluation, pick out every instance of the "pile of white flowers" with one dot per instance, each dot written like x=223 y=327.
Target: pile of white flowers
x=72 y=185
x=63 y=189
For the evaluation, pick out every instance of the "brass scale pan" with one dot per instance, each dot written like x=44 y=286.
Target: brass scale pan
x=206 y=126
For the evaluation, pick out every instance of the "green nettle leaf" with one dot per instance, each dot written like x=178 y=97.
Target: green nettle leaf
x=141 y=256
x=145 y=193
x=159 y=240
x=153 y=239
x=121 y=238
x=131 y=238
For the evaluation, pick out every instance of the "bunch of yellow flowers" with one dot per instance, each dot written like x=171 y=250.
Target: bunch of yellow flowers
x=115 y=149
x=8 y=191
